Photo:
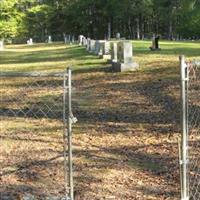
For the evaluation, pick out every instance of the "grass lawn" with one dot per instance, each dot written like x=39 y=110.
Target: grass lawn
x=125 y=142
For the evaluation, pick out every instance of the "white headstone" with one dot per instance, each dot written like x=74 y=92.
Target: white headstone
x=65 y=38
x=85 y=41
x=125 y=57
x=118 y=36
x=1 y=45
x=88 y=44
x=73 y=39
x=125 y=52
x=101 y=47
x=114 y=52
x=92 y=46
x=30 y=41
x=97 y=47
x=49 y=39
x=80 y=39
x=106 y=48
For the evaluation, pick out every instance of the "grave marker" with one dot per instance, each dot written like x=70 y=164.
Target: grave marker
x=106 y=51
x=92 y=46
x=125 y=57
x=65 y=38
x=49 y=39
x=155 y=43
x=88 y=44
x=80 y=39
x=1 y=45
x=114 y=52
x=85 y=41
x=118 y=36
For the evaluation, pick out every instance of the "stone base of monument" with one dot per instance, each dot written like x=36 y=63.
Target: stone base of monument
x=105 y=57
x=124 y=67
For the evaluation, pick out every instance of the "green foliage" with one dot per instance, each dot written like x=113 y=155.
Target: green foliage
x=37 y=20
x=132 y=18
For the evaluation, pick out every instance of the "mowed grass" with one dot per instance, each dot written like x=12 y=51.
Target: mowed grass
x=125 y=141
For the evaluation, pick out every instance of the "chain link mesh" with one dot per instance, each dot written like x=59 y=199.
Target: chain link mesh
x=31 y=110
x=194 y=129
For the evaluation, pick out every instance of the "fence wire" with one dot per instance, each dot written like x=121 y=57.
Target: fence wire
x=194 y=129
x=31 y=111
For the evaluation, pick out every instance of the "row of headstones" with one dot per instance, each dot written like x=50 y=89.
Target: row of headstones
x=67 y=39
x=119 y=53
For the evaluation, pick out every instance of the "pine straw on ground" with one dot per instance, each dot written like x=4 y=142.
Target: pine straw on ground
x=125 y=143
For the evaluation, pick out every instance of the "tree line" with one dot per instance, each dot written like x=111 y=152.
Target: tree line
x=99 y=19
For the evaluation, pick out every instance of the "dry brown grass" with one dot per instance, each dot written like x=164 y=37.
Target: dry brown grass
x=125 y=142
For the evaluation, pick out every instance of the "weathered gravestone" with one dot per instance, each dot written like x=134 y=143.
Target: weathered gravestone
x=80 y=39
x=155 y=43
x=118 y=36
x=106 y=51
x=65 y=38
x=125 y=57
x=1 y=45
x=88 y=44
x=113 y=52
x=99 y=47
x=85 y=41
x=73 y=39
x=30 y=41
x=49 y=39
x=92 y=46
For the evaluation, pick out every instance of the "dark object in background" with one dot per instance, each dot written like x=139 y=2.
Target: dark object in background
x=155 y=43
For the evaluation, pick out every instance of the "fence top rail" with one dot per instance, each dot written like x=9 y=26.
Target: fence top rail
x=32 y=74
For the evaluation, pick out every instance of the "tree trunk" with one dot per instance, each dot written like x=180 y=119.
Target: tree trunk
x=138 y=28
x=109 y=30
x=170 y=36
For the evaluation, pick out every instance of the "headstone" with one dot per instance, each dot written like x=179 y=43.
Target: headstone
x=49 y=39
x=155 y=43
x=30 y=41
x=69 y=38
x=65 y=38
x=88 y=44
x=114 y=52
x=92 y=46
x=97 y=47
x=106 y=50
x=73 y=39
x=1 y=45
x=125 y=57
x=118 y=36
x=80 y=39
x=85 y=41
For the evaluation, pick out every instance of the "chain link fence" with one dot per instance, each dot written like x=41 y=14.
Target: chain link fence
x=35 y=117
x=190 y=149
x=194 y=129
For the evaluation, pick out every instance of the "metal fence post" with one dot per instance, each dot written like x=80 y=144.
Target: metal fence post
x=65 y=88
x=184 y=136
x=69 y=121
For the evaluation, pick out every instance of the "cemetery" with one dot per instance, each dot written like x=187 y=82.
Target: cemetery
x=98 y=110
